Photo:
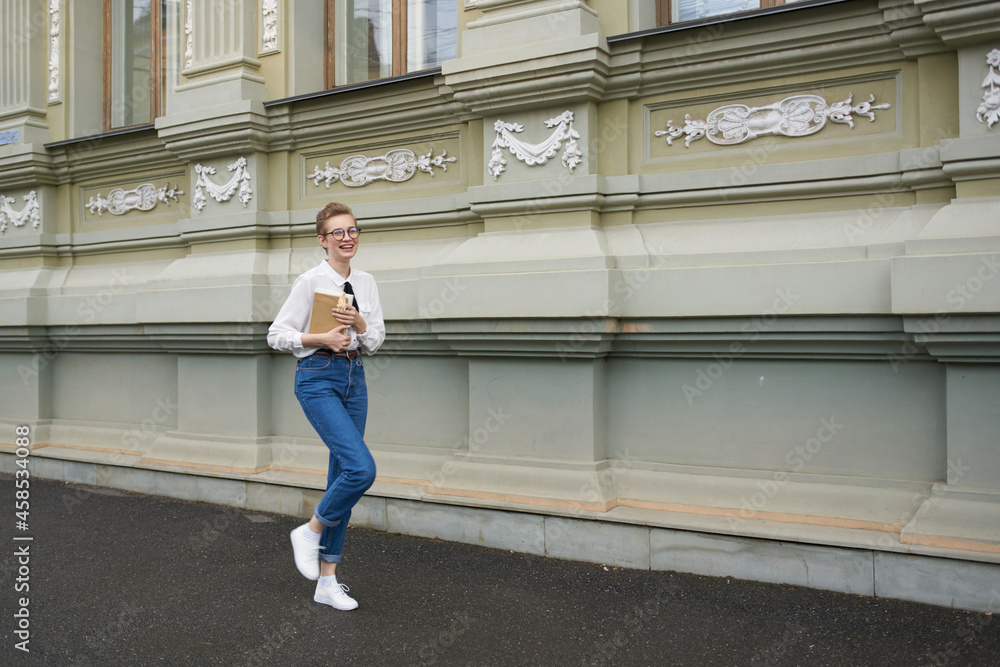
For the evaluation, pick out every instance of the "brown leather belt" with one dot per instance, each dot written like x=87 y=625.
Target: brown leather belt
x=326 y=352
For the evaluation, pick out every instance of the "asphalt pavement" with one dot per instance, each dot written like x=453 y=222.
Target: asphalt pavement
x=119 y=578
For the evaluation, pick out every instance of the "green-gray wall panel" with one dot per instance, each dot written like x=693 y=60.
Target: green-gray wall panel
x=287 y=419
x=26 y=388
x=420 y=401
x=836 y=417
x=974 y=425
x=224 y=395
x=125 y=388
x=536 y=407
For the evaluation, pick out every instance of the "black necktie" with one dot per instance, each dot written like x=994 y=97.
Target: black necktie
x=350 y=290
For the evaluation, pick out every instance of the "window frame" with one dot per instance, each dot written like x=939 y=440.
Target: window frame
x=664 y=11
x=157 y=66
x=399 y=44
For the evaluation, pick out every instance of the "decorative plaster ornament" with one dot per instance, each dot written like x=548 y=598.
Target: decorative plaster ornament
x=188 y=35
x=19 y=218
x=222 y=193
x=54 y=26
x=270 y=11
x=396 y=166
x=142 y=198
x=535 y=154
x=795 y=116
x=989 y=111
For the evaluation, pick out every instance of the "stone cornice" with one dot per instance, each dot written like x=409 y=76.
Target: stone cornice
x=244 y=64
x=875 y=338
x=971 y=158
x=505 y=11
x=874 y=346
x=27 y=170
x=905 y=171
x=528 y=53
x=581 y=82
x=240 y=128
x=383 y=223
x=110 y=155
x=182 y=234
x=584 y=202
x=905 y=22
x=34 y=246
x=957 y=338
x=959 y=22
x=818 y=39
x=378 y=217
x=577 y=72
x=230 y=338
x=404 y=106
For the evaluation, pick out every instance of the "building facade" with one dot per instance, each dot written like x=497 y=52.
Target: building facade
x=697 y=286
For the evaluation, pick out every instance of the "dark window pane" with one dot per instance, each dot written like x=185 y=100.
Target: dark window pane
x=131 y=53
x=362 y=40
x=432 y=33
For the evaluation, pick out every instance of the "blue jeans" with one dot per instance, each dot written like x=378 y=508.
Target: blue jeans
x=334 y=396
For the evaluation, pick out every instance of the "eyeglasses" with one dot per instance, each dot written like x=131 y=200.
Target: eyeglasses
x=338 y=234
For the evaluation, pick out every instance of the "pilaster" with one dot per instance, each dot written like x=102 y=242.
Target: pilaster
x=961 y=511
x=222 y=92
x=527 y=52
x=29 y=371
x=24 y=97
x=972 y=29
x=533 y=419
x=223 y=415
x=534 y=71
x=223 y=64
x=218 y=126
x=24 y=71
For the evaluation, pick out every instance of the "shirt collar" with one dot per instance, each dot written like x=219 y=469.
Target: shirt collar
x=338 y=279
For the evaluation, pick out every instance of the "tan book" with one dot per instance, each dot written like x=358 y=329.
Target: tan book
x=324 y=302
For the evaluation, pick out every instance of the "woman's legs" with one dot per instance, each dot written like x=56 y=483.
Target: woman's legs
x=334 y=398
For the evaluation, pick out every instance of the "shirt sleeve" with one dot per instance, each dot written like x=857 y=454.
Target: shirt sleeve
x=373 y=337
x=285 y=333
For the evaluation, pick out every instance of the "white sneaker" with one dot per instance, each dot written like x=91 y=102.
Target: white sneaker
x=335 y=595
x=306 y=553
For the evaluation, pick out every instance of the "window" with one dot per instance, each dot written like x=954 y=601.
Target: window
x=374 y=39
x=134 y=35
x=676 y=11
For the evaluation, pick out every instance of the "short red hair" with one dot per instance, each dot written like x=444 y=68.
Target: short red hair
x=330 y=210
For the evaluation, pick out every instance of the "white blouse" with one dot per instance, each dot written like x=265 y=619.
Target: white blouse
x=285 y=333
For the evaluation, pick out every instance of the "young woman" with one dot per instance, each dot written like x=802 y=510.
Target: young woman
x=330 y=386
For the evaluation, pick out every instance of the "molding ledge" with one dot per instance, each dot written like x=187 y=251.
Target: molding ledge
x=241 y=128
x=413 y=104
x=905 y=20
x=959 y=22
x=836 y=36
x=580 y=74
x=875 y=338
x=29 y=169
x=110 y=156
